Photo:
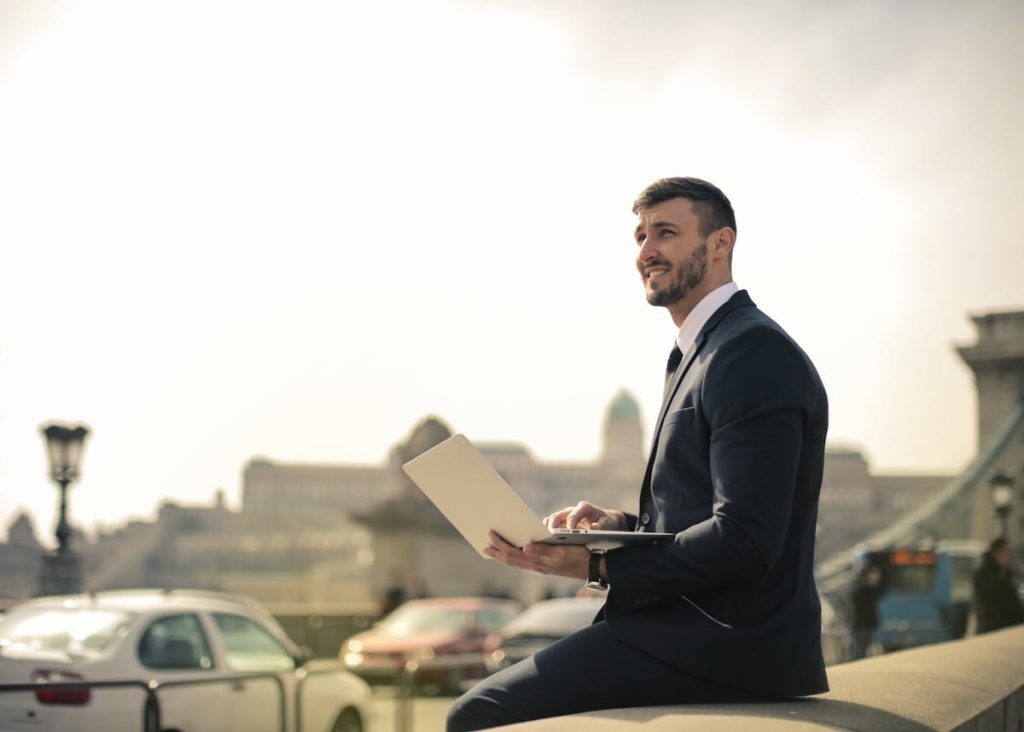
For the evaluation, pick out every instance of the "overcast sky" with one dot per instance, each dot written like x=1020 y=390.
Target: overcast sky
x=295 y=229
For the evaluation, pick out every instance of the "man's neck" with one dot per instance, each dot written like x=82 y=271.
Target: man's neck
x=680 y=309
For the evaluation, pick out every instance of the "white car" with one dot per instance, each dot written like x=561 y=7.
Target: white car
x=167 y=637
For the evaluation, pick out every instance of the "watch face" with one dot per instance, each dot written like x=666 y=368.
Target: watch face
x=596 y=585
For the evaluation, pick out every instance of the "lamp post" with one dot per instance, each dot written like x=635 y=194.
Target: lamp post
x=60 y=571
x=1001 y=487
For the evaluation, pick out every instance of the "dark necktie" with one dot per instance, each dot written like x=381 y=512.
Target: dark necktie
x=673 y=363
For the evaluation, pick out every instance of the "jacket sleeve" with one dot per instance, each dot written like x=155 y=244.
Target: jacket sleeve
x=758 y=395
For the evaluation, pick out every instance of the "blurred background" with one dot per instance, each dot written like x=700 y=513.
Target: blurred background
x=268 y=251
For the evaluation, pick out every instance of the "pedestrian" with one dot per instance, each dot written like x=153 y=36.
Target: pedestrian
x=393 y=596
x=727 y=609
x=996 y=601
x=867 y=592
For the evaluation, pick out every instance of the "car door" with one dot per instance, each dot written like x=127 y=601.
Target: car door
x=175 y=648
x=250 y=648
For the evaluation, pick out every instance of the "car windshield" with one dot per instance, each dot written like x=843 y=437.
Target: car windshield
x=555 y=619
x=410 y=619
x=74 y=630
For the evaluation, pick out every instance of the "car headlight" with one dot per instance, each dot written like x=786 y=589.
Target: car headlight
x=423 y=654
x=353 y=659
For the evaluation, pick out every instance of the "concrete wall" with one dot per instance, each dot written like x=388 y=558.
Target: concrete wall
x=975 y=685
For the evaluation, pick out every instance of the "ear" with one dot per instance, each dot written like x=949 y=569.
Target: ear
x=722 y=242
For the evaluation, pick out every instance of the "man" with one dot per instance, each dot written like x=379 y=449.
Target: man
x=995 y=589
x=867 y=591
x=727 y=610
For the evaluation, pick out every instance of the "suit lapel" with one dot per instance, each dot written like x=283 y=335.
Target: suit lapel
x=740 y=299
x=677 y=379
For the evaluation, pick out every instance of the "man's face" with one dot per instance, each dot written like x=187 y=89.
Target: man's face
x=672 y=258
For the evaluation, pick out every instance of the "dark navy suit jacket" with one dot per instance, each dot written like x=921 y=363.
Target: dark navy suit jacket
x=734 y=472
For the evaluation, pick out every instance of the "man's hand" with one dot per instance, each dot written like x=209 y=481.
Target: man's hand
x=587 y=516
x=565 y=561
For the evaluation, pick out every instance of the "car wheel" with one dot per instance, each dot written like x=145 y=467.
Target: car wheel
x=348 y=721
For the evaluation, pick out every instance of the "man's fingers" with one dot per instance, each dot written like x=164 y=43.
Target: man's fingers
x=580 y=513
x=557 y=519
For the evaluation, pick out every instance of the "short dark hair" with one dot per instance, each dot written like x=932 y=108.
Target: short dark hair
x=709 y=203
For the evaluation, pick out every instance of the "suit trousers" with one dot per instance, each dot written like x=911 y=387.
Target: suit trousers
x=586 y=671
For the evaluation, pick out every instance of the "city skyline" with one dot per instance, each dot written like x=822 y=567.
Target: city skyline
x=296 y=230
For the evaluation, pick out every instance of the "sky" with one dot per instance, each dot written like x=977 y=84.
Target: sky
x=295 y=229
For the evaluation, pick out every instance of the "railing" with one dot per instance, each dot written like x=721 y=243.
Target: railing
x=151 y=712
x=409 y=678
x=408 y=681
x=302 y=675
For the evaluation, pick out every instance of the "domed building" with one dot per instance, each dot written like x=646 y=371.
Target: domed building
x=623 y=456
x=413 y=541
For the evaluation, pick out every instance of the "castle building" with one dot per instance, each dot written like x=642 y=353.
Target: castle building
x=613 y=480
x=412 y=540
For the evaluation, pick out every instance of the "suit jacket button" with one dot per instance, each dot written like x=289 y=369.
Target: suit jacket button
x=645 y=519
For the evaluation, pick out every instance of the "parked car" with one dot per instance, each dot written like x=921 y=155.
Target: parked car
x=539 y=626
x=545 y=622
x=427 y=631
x=166 y=636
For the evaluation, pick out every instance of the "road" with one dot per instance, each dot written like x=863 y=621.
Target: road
x=428 y=712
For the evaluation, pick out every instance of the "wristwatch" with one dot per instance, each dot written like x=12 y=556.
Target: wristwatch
x=594 y=579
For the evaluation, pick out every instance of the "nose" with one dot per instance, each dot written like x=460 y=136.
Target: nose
x=646 y=252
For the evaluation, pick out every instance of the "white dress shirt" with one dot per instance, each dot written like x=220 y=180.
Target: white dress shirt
x=700 y=315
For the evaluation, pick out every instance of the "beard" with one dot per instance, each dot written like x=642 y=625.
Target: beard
x=687 y=276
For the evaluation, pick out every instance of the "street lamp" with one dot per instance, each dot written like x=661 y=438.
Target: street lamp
x=60 y=572
x=1001 y=487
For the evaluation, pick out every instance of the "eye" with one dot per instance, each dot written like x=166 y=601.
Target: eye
x=640 y=239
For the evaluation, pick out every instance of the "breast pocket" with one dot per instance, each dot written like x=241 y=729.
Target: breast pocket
x=682 y=458
x=681 y=413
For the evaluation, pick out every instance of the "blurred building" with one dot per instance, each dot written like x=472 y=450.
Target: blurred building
x=997 y=361
x=279 y=487
x=300 y=488
x=414 y=545
x=19 y=560
x=290 y=558
x=855 y=502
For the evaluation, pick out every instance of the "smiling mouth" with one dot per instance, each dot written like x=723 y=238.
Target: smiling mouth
x=651 y=272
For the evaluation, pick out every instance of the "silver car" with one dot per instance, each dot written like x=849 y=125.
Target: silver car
x=537 y=627
x=167 y=637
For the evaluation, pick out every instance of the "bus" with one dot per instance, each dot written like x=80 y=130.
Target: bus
x=927 y=592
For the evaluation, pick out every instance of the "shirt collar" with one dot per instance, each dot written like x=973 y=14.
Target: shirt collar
x=703 y=311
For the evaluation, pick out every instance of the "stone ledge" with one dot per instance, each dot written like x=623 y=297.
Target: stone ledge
x=974 y=685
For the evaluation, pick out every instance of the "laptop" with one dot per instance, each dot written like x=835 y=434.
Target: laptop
x=475 y=499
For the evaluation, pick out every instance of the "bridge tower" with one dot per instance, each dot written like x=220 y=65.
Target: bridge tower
x=997 y=360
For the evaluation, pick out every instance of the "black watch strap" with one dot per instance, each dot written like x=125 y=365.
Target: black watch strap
x=594 y=579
